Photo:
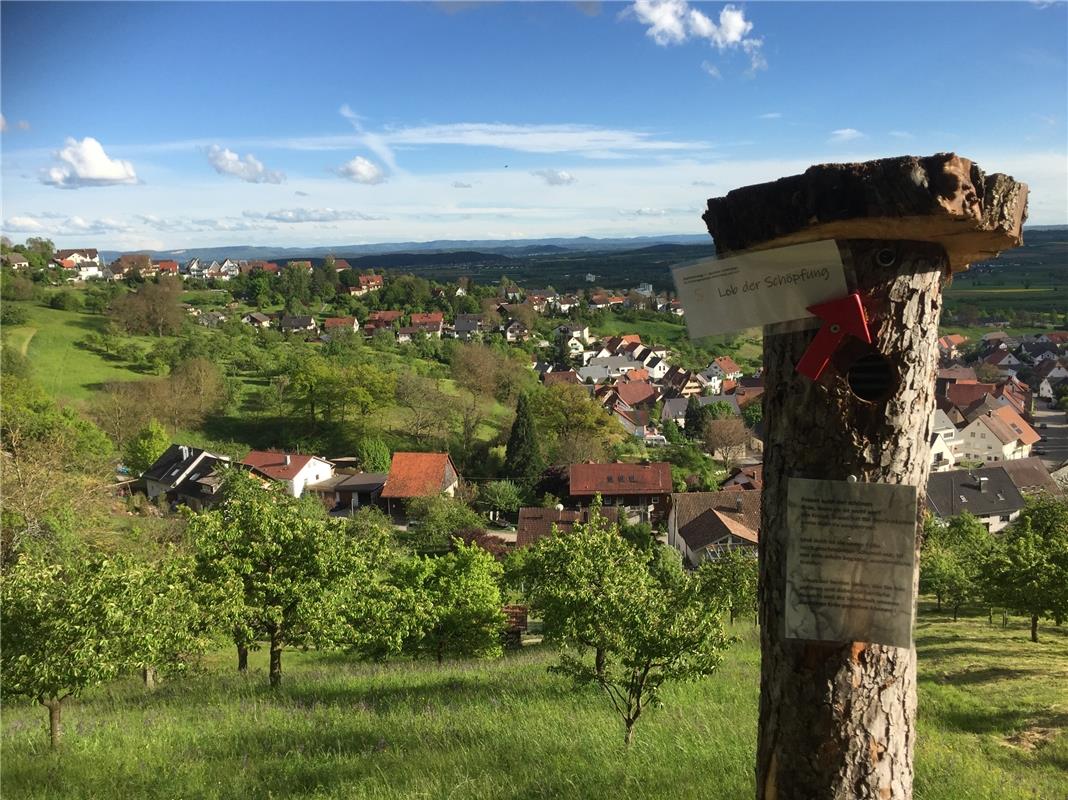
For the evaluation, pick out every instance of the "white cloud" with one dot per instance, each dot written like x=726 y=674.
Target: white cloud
x=23 y=125
x=674 y=22
x=554 y=177
x=299 y=193
x=711 y=69
x=771 y=115
x=460 y=185
x=902 y=135
x=845 y=135
x=22 y=225
x=666 y=19
x=360 y=170
x=85 y=163
x=295 y=215
x=372 y=141
x=583 y=139
x=648 y=212
x=60 y=225
x=249 y=168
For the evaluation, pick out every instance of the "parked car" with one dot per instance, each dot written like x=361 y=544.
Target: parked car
x=1043 y=425
x=1038 y=451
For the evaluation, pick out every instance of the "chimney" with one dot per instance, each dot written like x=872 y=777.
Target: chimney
x=982 y=484
x=738 y=503
x=287 y=459
x=184 y=451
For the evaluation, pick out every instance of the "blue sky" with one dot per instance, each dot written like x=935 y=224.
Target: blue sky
x=167 y=125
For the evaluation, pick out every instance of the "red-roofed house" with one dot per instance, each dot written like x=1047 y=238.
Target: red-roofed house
x=723 y=368
x=379 y=320
x=560 y=376
x=636 y=394
x=996 y=433
x=641 y=490
x=430 y=323
x=963 y=394
x=537 y=523
x=949 y=345
x=420 y=475
x=293 y=469
x=340 y=324
x=703 y=525
x=367 y=283
x=166 y=267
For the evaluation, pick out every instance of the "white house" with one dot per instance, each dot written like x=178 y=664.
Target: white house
x=945 y=442
x=294 y=470
x=996 y=434
x=723 y=367
x=702 y=525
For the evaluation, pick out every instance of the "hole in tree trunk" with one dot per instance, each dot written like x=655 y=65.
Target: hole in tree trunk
x=871 y=377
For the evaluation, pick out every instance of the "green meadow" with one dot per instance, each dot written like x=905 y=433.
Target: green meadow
x=63 y=368
x=993 y=725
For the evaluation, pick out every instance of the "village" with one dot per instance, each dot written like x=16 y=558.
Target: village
x=998 y=434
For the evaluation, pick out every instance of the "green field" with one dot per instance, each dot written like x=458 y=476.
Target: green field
x=64 y=369
x=993 y=726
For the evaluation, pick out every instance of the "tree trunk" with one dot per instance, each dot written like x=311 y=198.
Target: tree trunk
x=441 y=653
x=628 y=737
x=598 y=661
x=938 y=600
x=276 y=660
x=148 y=675
x=1034 y=627
x=837 y=719
x=242 y=658
x=55 y=726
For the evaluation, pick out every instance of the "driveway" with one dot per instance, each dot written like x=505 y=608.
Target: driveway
x=1056 y=433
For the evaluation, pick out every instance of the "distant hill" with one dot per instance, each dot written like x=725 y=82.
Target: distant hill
x=505 y=247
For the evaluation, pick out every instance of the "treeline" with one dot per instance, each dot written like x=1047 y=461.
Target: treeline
x=1022 y=569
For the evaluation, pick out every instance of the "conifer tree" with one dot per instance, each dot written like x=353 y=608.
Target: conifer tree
x=522 y=458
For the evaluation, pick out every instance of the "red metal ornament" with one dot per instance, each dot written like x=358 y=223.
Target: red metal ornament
x=840 y=317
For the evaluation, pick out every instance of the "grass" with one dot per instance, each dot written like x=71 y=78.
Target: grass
x=992 y=725
x=65 y=370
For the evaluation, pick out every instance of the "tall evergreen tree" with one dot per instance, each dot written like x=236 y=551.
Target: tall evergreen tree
x=523 y=459
x=695 y=418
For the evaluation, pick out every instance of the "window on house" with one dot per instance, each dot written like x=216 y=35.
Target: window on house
x=1004 y=517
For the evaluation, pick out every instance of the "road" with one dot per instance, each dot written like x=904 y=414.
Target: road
x=1056 y=433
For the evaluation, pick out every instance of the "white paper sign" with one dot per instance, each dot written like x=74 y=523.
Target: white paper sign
x=850 y=561
x=724 y=295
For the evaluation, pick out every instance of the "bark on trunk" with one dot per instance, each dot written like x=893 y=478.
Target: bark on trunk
x=148 y=675
x=242 y=658
x=55 y=725
x=598 y=661
x=837 y=720
x=628 y=737
x=1034 y=627
x=276 y=660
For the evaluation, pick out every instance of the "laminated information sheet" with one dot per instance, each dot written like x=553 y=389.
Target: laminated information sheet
x=850 y=561
x=761 y=288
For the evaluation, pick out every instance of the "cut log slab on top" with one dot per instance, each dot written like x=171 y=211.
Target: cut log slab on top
x=941 y=198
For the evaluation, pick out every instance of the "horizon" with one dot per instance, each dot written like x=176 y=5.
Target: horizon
x=684 y=100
